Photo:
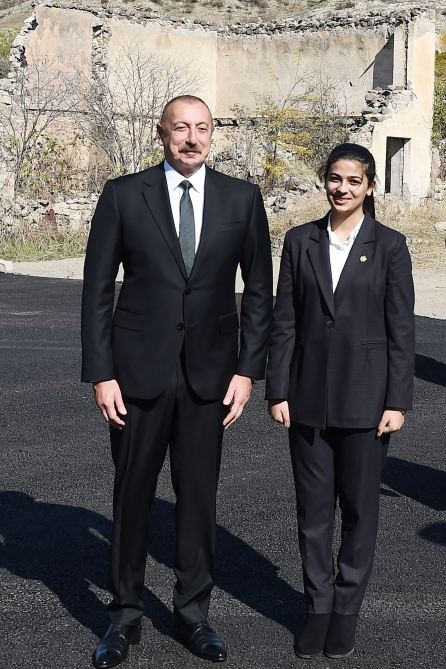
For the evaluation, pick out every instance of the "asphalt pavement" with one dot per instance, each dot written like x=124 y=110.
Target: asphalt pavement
x=55 y=511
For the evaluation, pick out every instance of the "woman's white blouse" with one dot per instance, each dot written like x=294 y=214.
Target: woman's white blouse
x=339 y=251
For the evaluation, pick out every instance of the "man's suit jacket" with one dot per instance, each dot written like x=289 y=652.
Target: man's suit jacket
x=160 y=309
x=341 y=359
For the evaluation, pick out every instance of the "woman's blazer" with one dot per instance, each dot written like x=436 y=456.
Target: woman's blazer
x=340 y=359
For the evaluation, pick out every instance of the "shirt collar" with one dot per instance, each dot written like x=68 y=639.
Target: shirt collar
x=174 y=178
x=334 y=239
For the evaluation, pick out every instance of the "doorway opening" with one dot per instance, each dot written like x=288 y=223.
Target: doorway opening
x=397 y=165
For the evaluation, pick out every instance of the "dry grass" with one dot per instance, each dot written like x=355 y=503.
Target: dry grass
x=220 y=11
x=415 y=220
x=216 y=11
x=307 y=208
x=12 y=18
x=42 y=242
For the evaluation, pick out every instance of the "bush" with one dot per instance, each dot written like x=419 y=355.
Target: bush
x=439 y=120
x=48 y=170
x=283 y=135
x=6 y=40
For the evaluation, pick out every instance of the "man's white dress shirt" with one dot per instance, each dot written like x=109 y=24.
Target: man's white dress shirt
x=196 y=193
x=339 y=250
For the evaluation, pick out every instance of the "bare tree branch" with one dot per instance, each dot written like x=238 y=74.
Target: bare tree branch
x=123 y=103
x=39 y=95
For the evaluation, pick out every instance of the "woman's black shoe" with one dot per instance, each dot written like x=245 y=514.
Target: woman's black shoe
x=341 y=636
x=311 y=639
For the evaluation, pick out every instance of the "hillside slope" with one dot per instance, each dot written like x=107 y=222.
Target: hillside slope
x=12 y=12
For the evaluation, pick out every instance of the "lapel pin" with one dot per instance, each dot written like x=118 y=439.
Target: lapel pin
x=363 y=258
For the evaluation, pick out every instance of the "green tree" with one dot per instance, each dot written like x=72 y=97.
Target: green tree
x=292 y=132
x=283 y=135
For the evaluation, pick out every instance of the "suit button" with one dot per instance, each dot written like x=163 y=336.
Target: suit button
x=180 y=326
x=330 y=324
x=187 y=291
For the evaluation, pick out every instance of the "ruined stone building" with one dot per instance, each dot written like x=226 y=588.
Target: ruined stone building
x=383 y=66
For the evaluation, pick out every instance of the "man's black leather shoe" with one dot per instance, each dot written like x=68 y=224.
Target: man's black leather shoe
x=114 y=647
x=311 y=639
x=200 y=639
x=341 y=636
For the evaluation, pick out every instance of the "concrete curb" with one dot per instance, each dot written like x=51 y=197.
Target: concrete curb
x=5 y=266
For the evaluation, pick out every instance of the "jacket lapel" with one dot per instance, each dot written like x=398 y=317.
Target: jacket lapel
x=320 y=261
x=360 y=249
x=156 y=196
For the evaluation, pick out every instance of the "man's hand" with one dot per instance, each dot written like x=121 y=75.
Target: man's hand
x=392 y=421
x=280 y=411
x=238 y=394
x=109 y=400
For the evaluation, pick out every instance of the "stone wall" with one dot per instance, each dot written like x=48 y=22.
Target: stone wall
x=70 y=214
x=388 y=58
x=237 y=63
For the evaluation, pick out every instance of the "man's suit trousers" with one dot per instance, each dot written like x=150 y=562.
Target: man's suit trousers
x=193 y=431
x=330 y=465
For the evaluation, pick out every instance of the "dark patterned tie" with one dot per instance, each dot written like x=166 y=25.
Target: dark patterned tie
x=187 y=227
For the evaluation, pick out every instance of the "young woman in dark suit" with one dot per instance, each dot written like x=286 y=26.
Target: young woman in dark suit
x=340 y=377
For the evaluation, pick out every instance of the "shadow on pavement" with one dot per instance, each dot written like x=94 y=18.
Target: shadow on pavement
x=423 y=484
x=241 y=571
x=434 y=532
x=67 y=549
x=64 y=547
x=431 y=370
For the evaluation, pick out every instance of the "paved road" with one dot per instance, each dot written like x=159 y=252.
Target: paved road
x=430 y=284
x=55 y=506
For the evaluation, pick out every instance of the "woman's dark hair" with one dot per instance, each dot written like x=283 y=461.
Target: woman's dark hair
x=361 y=155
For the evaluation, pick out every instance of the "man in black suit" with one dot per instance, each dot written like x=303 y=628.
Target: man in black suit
x=166 y=366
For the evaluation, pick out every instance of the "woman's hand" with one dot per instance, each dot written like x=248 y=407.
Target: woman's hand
x=279 y=411
x=392 y=421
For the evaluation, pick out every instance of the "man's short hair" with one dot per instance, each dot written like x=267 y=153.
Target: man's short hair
x=183 y=98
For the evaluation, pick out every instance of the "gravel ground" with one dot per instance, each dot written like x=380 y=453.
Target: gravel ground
x=55 y=510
